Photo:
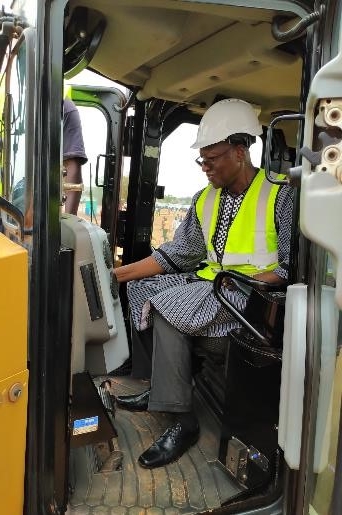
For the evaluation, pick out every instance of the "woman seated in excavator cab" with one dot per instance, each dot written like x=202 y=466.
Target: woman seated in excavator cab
x=239 y=222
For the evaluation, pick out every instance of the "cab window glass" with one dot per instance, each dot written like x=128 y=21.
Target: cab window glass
x=126 y=165
x=94 y=144
x=256 y=151
x=16 y=109
x=17 y=171
x=182 y=178
x=326 y=487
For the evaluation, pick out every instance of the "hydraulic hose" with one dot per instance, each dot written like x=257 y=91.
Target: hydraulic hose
x=295 y=31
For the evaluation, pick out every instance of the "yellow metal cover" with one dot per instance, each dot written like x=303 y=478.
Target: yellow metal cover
x=13 y=307
x=13 y=374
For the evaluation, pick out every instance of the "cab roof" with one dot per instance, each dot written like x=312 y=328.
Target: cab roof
x=193 y=52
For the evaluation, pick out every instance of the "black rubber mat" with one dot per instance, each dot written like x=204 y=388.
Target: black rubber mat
x=196 y=483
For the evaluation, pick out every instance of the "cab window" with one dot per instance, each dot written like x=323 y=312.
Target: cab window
x=181 y=178
x=94 y=144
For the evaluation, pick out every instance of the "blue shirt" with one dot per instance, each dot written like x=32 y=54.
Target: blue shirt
x=73 y=145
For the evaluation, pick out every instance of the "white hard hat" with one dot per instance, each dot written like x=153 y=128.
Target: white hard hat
x=226 y=117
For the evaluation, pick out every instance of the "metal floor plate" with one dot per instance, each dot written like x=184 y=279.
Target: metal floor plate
x=194 y=484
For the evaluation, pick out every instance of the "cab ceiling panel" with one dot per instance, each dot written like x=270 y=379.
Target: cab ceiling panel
x=191 y=52
x=186 y=76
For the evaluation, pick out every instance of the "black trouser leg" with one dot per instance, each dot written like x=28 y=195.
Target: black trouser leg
x=142 y=348
x=171 y=384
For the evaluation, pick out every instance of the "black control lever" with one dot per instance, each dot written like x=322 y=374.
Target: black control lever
x=254 y=284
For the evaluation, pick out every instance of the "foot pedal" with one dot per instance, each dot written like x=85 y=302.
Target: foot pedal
x=112 y=463
x=108 y=400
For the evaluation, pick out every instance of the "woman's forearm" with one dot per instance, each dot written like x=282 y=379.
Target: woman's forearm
x=269 y=277
x=144 y=268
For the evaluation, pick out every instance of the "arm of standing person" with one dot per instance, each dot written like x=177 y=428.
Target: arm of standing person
x=73 y=176
x=73 y=154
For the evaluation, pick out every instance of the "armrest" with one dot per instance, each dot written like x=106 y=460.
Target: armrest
x=254 y=284
x=249 y=281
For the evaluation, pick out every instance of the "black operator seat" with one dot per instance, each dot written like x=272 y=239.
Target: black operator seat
x=282 y=156
x=249 y=436
x=264 y=314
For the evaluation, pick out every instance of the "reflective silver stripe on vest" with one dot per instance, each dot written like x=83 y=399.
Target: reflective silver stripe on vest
x=207 y=215
x=212 y=256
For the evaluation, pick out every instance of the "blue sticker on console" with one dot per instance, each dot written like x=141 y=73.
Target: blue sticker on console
x=85 y=425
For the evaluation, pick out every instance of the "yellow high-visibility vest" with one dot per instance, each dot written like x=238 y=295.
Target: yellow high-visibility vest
x=252 y=242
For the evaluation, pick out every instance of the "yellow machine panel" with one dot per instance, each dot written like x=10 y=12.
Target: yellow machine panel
x=13 y=374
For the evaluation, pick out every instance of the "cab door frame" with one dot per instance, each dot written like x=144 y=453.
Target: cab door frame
x=111 y=102
x=325 y=47
x=46 y=369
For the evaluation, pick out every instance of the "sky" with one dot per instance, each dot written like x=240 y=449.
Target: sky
x=93 y=79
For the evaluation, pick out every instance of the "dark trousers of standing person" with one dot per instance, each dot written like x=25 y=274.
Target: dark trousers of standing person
x=166 y=352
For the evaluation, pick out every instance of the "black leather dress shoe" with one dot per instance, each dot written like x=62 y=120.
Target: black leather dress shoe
x=169 y=447
x=134 y=402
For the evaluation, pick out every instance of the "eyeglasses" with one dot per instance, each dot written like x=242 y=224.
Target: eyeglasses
x=209 y=161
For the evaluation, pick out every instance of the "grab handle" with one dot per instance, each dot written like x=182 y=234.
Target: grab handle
x=15 y=213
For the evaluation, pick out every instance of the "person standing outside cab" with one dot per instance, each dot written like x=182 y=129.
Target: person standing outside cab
x=240 y=221
x=165 y=229
x=74 y=155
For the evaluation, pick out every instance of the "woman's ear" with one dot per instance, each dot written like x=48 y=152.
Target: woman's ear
x=240 y=152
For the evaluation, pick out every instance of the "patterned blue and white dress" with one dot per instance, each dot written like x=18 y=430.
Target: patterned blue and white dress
x=189 y=304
